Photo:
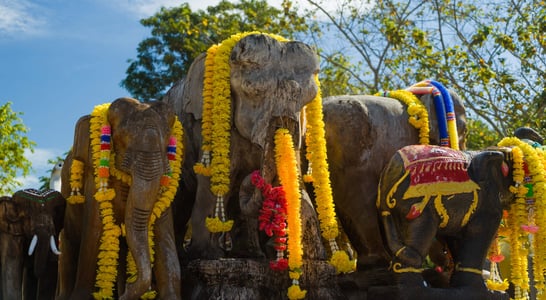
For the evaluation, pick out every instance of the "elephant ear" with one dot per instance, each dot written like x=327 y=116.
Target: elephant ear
x=486 y=166
x=165 y=110
x=187 y=94
x=11 y=218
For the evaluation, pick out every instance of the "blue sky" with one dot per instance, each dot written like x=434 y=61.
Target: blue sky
x=60 y=58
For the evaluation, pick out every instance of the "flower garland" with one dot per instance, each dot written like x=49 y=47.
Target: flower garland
x=522 y=214
x=216 y=124
x=320 y=177
x=76 y=176
x=285 y=159
x=418 y=114
x=100 y=134
x=273 y=217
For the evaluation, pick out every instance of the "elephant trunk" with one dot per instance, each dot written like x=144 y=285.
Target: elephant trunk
x=148 y=169
x=42 y=243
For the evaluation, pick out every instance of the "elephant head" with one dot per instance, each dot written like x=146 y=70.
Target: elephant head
x=41 y=215
x=140 y=137
x=271 y=82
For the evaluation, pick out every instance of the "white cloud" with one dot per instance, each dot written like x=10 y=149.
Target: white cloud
x=144 y=8
x=20 y=17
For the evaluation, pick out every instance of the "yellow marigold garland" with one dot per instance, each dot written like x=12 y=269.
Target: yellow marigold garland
x=109 y=248
x=320 y=177
x=285 y=159
x=521 y=215
x=418 y=114
x=76 y=176
x=109 y=242
x=216 y=124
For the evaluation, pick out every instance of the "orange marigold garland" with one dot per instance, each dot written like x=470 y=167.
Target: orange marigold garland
x=285 y=159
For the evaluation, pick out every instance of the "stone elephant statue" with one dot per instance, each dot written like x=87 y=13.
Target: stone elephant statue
x=30 y=223
x=362 y=134
x=429 y=192
x=120 y=178
x=270 y=82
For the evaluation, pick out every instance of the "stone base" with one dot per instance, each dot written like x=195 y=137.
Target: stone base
x=253 y=279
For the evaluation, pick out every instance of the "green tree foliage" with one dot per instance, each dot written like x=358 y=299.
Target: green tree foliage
x=492 y=53
x=13 y=142
x=179 y=35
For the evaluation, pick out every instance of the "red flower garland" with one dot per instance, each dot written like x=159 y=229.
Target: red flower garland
x=272 y=219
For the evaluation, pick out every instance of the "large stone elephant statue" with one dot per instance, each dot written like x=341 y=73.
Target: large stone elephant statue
x=431 y=192
x=119 y=179
x=362 y=133
x=30 y=223
x=270 y=81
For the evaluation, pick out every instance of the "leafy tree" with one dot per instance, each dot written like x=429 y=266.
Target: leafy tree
x=179 y=35
x=13 y=142
x=491 y=53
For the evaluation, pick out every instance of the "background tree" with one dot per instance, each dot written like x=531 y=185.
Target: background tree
x=491 y=53
x=13 y=142
x=179 y=35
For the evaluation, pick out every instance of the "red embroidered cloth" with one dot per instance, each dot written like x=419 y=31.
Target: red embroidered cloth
x=434 y=164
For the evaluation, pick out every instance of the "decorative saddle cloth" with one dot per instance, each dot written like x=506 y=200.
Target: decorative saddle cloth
x=435 y=171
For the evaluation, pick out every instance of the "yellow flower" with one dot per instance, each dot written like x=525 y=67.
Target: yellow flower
x=418 y=114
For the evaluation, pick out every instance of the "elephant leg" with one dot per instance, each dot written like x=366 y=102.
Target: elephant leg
x=88 y=252
x=419 y=236
x=11 y=251
x=251 y=201
x=30 y=283
x=202 y=244
x=166 y=266
x=470 y=252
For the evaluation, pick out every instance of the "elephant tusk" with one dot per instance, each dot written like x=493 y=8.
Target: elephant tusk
x=53 y=245
x=32 y=246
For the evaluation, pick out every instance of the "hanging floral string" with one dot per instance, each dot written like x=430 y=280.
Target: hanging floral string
x=529 y=200
x=272 y=219
x=203 y=167
x=495 y=281
x=319 y=175
x=285 y=159
x=100 y=135
x=217 y=117
x=418 y=114
x=76 y=176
